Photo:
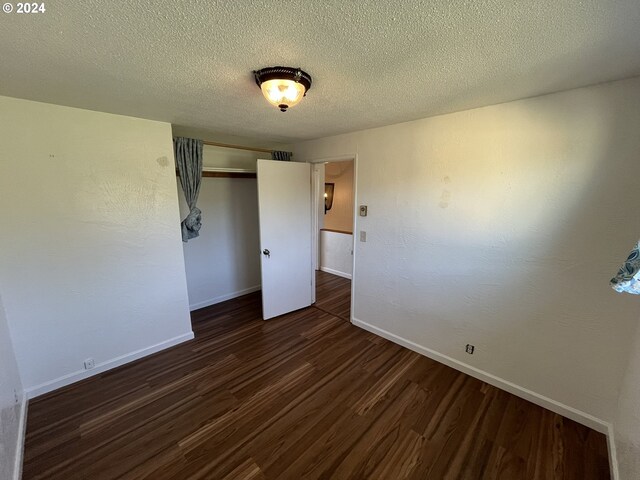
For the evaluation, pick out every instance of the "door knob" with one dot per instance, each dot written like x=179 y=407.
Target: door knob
x=266 y=252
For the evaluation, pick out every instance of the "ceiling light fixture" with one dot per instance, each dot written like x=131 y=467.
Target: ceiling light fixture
x=283 y=87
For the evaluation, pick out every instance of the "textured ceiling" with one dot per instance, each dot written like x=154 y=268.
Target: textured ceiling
x=373 y=62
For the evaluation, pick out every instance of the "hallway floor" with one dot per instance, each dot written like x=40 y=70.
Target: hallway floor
x=333 y=294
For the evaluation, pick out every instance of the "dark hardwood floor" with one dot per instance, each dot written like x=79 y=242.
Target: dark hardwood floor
x=333 y=294
x=303 y=396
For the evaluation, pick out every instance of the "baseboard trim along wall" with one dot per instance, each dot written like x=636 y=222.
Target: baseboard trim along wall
x=545 y=402
x=222 y=298
x=22 y=433
x=336 y=272
x=104 y=366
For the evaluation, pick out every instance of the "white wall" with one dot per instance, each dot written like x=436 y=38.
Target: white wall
x=340 y=217
x=335 y=253
x=501 y=227
x=627 y=424
x=12 y=403
x=224 y=261
x=91 y=258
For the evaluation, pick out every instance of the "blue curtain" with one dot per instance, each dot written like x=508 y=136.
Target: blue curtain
x=285 y=156
x=188 y=152
x=628 y=277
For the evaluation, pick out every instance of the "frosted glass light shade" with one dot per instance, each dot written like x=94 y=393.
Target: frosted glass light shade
x=283 y=87
x=282 y=93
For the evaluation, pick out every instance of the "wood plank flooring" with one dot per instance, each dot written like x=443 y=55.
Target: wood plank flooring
x=303 y=396
x=333 y=294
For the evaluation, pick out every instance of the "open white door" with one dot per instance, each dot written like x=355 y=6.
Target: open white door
x=284 y=202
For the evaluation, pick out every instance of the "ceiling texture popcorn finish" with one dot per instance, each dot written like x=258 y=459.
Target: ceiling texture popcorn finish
x=374 y=63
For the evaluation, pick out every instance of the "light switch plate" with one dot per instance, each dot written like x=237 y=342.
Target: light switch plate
x=363 y=236
x=363 y=210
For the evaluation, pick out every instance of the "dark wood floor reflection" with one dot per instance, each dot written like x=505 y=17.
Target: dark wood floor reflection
x=302 y=396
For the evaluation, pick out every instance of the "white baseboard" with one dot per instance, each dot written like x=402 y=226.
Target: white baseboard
x=222 y=298
x=22 y=432
x=336 y=272
x=545 y=402
x=613 y=457
x=73 y=377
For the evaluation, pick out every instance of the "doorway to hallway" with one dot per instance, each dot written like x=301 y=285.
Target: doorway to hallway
x=334 y=267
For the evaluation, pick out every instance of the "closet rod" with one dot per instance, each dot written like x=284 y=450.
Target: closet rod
x=237 y=147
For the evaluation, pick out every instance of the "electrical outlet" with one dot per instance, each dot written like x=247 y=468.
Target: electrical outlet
x=89 y=363
x=470 y=348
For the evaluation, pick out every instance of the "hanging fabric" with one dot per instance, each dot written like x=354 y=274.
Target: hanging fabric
x=284 y=156
x=188 y=153
x=628 y=277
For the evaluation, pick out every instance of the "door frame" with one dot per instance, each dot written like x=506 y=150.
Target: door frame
x=316 y=195
x=317 y=219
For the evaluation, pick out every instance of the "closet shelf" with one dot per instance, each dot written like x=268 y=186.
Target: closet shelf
x=227 y=172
